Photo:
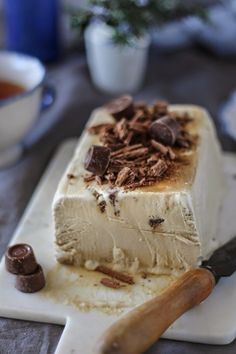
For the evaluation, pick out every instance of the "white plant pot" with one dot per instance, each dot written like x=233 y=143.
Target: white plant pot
x=114 y=68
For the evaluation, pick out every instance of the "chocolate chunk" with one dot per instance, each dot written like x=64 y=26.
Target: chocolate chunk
x=20 y=259
x=97 y=159
x=121 y=107
x=31 y=283
x=165 y=130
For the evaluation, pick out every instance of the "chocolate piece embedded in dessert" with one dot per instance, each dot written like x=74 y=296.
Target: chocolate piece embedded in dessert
x=155 y=222
x=20 y=259
x=97 y=159
x=181 y=185
x=31 y=283
x=121 y=107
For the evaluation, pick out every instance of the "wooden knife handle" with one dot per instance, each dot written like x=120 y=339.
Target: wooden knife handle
x=140 y=328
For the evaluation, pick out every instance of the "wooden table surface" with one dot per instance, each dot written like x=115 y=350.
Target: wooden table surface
x=189 y=76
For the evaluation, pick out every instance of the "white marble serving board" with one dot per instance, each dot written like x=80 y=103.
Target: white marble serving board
x=213 y=322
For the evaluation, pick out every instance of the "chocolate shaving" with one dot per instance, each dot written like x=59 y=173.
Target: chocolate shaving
x=159 y=147
x=138 y=127
x=152 y=158
x=138 y=116
x=125 y=150
x=116 y=275
x=98 y=179
x=122 y=176
x=158 y=169
x=129 y=138
x=171 y=153
x=135 y=153
x=121 y=129
x=142 y=183
x=111 y=283
x=97 y=129
x=89 y=178
x=116 y=146
x=131 y=177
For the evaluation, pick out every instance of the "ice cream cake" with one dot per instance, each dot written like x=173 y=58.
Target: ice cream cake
x=142 y=191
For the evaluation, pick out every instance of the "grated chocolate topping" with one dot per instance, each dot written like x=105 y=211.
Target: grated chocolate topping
x=139 y=154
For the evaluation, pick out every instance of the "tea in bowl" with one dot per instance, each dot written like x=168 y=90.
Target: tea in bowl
x=21 y=84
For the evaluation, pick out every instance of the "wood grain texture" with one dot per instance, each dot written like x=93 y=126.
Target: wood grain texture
x=140 y=328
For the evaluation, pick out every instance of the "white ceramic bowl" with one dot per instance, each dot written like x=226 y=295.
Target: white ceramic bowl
x=18 y=113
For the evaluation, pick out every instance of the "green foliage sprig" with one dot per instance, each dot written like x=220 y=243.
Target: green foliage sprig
x=133 y=18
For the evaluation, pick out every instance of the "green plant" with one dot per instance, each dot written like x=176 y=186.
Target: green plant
x=132 y=18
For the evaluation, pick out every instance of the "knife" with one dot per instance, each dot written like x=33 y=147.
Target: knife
x=140 y=328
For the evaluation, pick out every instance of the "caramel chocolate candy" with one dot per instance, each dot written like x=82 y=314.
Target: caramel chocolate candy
x=30 y=283
x=165 y=130
x=20 y=259
x=97 y=159
x=121 y=107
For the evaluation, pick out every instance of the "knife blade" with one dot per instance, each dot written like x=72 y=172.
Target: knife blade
x=136 y=331
x=222 y=263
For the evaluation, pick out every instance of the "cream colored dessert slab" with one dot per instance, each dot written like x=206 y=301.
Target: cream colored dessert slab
x=56 y=303
x=92 y=228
